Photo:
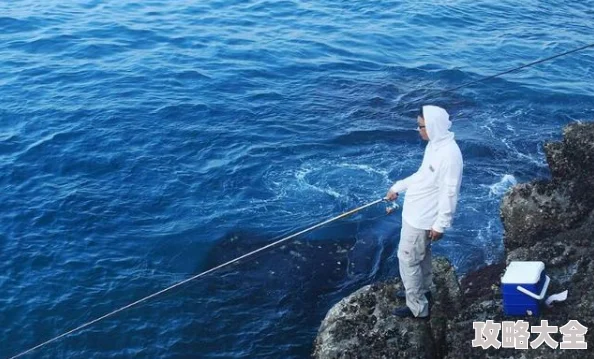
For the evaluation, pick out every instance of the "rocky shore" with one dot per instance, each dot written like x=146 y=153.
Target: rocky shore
x=550 y=221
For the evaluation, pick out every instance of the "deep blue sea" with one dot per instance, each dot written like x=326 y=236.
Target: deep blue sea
x=143 y=142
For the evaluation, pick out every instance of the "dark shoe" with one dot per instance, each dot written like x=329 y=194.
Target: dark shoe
x=402 y=295
x=405 y=312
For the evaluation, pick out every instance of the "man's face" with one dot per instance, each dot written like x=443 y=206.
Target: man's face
x=422 y=129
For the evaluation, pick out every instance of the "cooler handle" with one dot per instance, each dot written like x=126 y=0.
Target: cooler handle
x=543 y=292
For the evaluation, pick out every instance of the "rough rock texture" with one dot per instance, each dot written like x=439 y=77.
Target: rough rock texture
x=362 y=325
x=531 y=211
x=488 y=306
x=550 y=221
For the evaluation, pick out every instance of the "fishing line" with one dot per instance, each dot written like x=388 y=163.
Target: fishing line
x=470 y=83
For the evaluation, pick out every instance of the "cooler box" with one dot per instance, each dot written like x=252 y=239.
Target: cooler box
x=524 y=285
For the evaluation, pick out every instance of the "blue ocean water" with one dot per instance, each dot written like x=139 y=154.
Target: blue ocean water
x=144 y=142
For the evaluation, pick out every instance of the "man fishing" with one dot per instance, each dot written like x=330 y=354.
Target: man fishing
x=429 y=205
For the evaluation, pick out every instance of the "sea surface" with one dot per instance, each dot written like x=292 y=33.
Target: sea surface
x=143 y=142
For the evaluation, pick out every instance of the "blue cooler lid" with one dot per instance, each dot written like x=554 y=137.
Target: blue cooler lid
x=519 y=272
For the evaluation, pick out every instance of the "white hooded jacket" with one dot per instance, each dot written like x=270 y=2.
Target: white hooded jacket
x=432 y=192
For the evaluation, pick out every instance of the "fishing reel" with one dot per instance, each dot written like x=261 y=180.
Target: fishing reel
x=391 y=206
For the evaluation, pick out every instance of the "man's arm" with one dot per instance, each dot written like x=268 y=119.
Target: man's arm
x=449 y=188
x=402 y=185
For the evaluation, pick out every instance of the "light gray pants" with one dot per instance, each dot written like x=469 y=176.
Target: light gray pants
x=414 y=257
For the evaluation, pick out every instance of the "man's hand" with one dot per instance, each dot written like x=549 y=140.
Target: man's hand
x=434 y=235
x=391 y=196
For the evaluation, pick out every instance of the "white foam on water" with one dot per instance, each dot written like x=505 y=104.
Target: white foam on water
x=301 y=174
x=499 y=188
x=329 y=177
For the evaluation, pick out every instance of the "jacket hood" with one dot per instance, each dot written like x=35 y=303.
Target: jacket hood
x=437 y=123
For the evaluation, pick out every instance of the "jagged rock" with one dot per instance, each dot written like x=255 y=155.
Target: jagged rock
x=572 y=159
x=541 y=209
x=560 y=250
x=551 y=222
x=362 y=325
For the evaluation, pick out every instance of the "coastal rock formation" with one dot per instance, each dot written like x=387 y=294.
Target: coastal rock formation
x=362 y=325
x=541 y=209
x=550 y=221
